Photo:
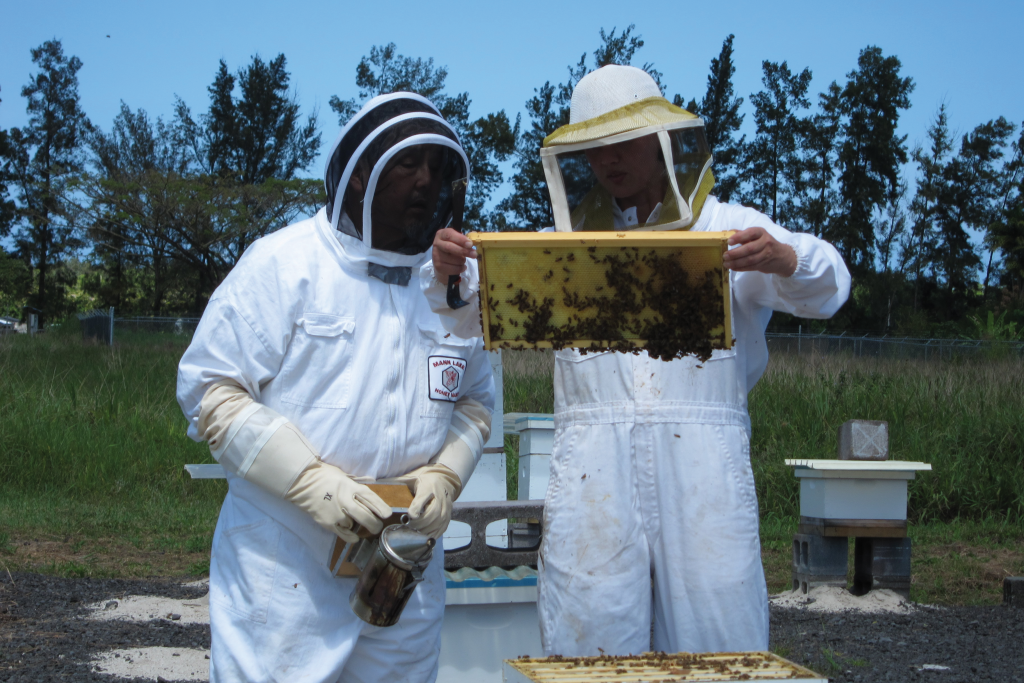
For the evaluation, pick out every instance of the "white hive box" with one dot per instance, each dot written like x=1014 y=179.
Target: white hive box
x=854 y=489
x=536 y=439
x=725 y=667
x=490 y=616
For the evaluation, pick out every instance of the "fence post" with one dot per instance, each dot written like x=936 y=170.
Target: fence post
x=111 y=326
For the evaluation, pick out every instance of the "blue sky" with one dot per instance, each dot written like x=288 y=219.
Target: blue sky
x=967 y=54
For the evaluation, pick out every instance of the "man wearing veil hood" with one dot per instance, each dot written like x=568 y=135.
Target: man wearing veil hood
x=651 y=503
x=314 y=371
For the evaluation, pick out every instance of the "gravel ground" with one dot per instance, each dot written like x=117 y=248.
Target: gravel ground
x=44 y=635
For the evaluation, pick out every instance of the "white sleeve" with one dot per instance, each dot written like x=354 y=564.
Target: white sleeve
x=471 y=419
x=817 y=289
x=463 y=322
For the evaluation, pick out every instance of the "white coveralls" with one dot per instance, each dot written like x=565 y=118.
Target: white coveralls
x=300 y=325
x=650 y=472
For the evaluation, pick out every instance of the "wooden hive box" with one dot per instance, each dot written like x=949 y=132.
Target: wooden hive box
x=658 y=667
x=665 y=292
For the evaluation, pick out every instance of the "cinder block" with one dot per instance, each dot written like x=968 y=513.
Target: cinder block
x=1013 y=591
x=819 y=561
x=864 y=440
x=881 y=563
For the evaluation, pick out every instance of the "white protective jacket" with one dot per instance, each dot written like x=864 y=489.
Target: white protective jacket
x=306 y=332
x=651 y=476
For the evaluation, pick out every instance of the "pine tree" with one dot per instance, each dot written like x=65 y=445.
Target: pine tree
x=969 y=198
x=1006 y=231
x=871 y=153
x=771 y=160
x=722 y=121
x=255 y=135
x=8 y=209
x=923 y=246
x=488 y=140
x=42 y=159
x=818 y=139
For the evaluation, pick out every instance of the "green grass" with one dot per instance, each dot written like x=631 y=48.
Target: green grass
x=92 y=445
x=965 y=418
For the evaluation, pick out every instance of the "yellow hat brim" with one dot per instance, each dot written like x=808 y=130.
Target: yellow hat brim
x=652 y=111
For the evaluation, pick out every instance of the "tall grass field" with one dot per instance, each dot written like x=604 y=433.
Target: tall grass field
x=92 y=441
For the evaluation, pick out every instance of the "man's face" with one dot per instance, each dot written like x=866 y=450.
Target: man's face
x=406 y=196
x=628 y=168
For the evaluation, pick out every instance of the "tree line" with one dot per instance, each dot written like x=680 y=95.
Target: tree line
x=150 y=215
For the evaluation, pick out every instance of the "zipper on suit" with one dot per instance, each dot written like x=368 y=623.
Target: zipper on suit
x=393 y=376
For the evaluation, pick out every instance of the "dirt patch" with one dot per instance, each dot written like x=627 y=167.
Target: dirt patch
x=98 y=557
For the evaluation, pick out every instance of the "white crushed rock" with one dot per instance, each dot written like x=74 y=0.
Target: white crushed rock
x=170 y=663
x=835 y=599
x=150 y=607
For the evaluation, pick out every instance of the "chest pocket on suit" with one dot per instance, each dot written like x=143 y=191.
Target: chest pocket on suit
x=443 y=371
x=318 y=365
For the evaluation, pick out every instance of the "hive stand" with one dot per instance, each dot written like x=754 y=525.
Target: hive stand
x=863 y=496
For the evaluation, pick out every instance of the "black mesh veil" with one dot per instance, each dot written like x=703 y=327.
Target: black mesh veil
x=356 y=134
x=405 y=158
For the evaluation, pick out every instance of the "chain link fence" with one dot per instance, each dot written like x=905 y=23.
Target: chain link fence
x=896 y=348
x=96 y=324
x=158 y=325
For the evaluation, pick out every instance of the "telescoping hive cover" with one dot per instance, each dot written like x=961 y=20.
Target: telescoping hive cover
x=725 y=667
x=665 y=292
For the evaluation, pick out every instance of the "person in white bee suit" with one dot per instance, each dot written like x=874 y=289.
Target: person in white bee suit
x=311 y=374
x=651 y=501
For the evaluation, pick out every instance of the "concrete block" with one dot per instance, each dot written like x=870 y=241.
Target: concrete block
x=881 y=563
x=819 y=561
x=808 y=582
x=1013 y=591
x=864 y=440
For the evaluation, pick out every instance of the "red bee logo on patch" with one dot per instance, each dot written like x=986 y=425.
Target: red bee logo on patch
x=450 y=379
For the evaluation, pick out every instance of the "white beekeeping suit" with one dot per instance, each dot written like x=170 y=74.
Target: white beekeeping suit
x=651 y=483
x=312 y=373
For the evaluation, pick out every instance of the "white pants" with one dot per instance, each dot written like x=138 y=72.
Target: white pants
x=662 y=501
x=276 y=613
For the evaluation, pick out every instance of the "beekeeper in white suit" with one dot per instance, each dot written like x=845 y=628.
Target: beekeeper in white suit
x=312 y=373
x=651 y=482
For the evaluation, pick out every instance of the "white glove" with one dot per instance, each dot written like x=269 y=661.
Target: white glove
x=338 y=503
x=436 y=488
x=257 y=444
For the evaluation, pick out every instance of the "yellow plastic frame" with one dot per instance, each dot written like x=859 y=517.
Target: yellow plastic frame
x=510 y=261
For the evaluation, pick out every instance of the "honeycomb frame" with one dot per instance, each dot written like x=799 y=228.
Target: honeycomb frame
x=520 y=272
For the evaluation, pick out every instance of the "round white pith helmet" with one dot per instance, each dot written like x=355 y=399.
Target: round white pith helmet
x=609 y=88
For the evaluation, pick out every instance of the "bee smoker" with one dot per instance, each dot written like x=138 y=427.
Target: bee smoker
x=390 y=567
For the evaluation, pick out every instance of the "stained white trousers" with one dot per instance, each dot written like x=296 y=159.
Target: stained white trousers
x=661 y=503
x=276 y=613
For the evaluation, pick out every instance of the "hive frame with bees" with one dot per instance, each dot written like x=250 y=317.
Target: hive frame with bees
x=664 y=292
x=659 y=667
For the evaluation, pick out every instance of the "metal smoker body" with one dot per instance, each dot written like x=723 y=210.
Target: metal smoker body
x=391 y=565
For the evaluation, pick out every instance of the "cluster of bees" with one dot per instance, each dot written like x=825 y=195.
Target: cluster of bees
x=673 y=664
x=645 y=296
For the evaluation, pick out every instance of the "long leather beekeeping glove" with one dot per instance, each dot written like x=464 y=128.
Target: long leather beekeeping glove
x=437 y=485
x=263 y=447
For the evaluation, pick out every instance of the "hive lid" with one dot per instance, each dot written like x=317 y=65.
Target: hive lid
x=666 y=292
x=683 y=667
x=861 y=465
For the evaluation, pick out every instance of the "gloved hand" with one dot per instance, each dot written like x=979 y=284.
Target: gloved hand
x=435 y=487
x=284 y=462
x=338 y=503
